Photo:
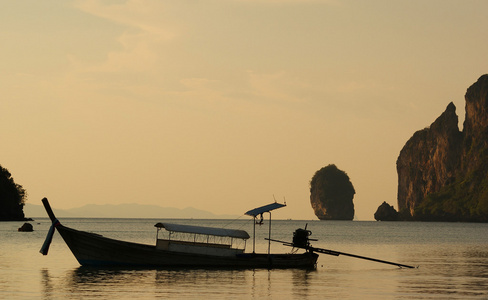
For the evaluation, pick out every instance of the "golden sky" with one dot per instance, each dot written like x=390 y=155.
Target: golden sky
x=219 y=105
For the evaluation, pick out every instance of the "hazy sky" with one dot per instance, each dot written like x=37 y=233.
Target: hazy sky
x=220 y=105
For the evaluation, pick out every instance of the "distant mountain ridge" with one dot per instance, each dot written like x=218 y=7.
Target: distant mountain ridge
x=127 y=210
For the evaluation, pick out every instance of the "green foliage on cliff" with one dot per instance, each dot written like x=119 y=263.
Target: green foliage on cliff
x=465 y=200
x=12 y=197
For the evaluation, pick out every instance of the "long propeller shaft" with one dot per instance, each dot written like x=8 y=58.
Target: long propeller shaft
x=337 y=253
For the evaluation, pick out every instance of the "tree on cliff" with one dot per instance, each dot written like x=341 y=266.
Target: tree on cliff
x=331 y=194
x=12 y=198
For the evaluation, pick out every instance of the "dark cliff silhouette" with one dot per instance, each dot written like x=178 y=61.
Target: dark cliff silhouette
x=331 y=194
x=386 y=212
x=12 y=198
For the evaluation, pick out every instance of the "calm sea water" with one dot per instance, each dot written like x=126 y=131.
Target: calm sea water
x=452 y=260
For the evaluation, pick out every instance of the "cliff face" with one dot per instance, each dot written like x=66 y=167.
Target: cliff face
x=475 y=125
x=441 y=170
x=429 y=160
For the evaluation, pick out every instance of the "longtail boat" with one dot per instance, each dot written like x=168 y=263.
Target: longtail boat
x=184 y=246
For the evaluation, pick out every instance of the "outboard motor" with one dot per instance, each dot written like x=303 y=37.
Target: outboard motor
x=300 y=238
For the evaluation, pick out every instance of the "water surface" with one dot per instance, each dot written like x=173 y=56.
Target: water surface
x=452 y=260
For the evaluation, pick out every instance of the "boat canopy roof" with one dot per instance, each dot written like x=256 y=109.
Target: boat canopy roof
x=235 y=233
x=263 y=209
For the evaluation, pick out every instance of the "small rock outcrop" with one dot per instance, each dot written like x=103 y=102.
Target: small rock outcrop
x=386 y=212
x=443 y=172
x=27 y=227
x=331 y=194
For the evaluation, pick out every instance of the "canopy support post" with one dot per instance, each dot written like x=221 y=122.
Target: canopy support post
x=269 y=234
x=254 y=236
x=259 y=211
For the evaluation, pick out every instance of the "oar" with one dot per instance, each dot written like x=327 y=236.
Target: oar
x=337 y=253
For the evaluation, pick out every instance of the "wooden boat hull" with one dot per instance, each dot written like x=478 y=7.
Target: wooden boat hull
x=95 y=250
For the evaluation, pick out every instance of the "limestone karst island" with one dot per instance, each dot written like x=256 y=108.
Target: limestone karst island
x=442 y=171
x=331 y=194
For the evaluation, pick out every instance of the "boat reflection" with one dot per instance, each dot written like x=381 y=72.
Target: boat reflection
x=175 y=283
x=47 y=284
x=185 y=283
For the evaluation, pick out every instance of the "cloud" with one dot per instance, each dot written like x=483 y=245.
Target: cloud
x=281 y=2
x=144 y=32
x=203 y=90
x=278 y=86
x=142 y=14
